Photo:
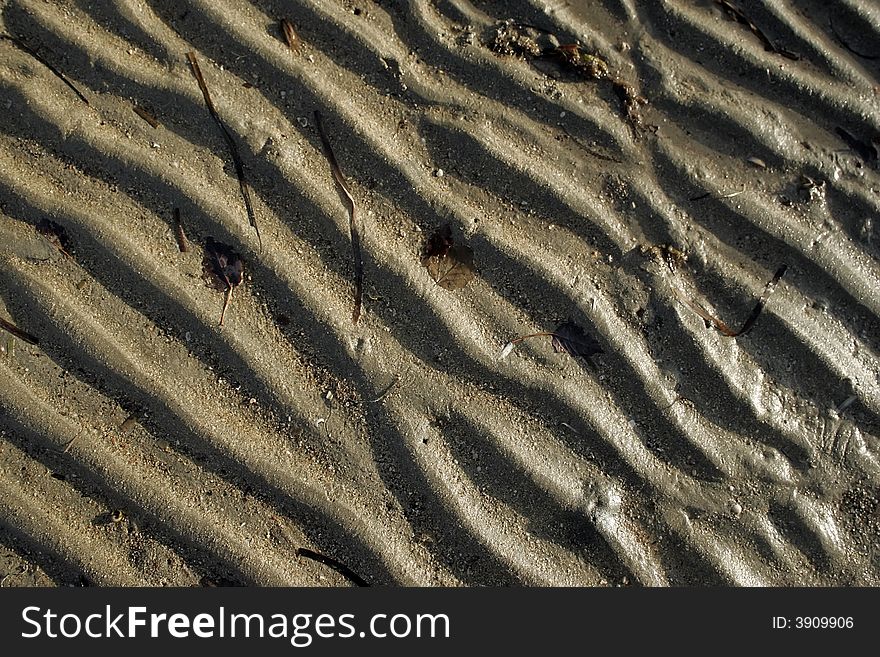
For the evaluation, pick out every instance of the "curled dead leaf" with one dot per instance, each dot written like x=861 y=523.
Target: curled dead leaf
x=451 y=265
x=567 y=338
x=571 y=339
x=55 y=233
x=223 y=268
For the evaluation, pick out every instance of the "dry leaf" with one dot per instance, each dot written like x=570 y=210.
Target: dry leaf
x=450 y=264
x=439 y=243
x=571 y=339
x=568 y=338
x=224 y=268
x=55 y=233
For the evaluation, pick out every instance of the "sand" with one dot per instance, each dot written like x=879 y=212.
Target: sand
x=144 y=444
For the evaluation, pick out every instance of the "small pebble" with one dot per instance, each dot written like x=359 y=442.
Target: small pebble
x=439 y=173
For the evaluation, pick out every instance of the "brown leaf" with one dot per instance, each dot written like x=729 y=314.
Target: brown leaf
x=571 y=339
x=450 y=264
x=224 y=268
x=439 y=243
x=55 y=233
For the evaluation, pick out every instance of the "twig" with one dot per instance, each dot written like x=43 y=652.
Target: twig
x=768 y=290
x=706 y=195
x=226 y=301
x=58 y=74
x=845 y=404
x=866 y=151
x=339 y=567
x=146 y=116
x=70 y=443
x=387 y=390
x=178 y=232
x=290 y=35
x=740 y=17
x=352 y=219
x=723 y=328
x=233 y=149
x=17 y=332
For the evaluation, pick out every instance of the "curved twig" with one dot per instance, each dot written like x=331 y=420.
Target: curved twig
x=352 y=218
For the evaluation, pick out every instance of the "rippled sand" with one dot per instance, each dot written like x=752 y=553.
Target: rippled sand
x=403 y=446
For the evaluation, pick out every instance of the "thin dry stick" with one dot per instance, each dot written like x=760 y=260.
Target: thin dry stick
x=233 y=149
x=70 y=443
x=54 y=70
x=146 y=116
x=389 y=388
x=227 y=297
x=768 y=289
x=723 y=328
x=290 y=35
x=338 y=566
x=742 y=19
x=178 y=232
x=17 y=332
x=226 y=301
x=352 y=219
